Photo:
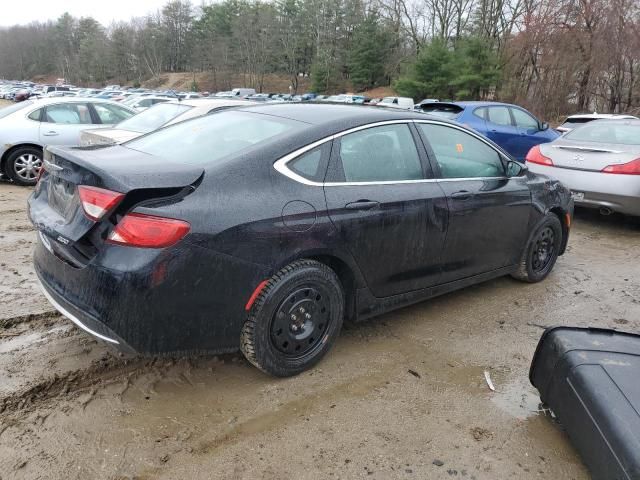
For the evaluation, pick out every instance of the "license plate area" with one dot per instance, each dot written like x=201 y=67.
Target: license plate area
x=577 y=196
x=61 y=196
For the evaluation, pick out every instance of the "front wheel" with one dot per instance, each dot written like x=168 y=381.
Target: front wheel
x=23 y=165
x=294 y=320
x=541 y=252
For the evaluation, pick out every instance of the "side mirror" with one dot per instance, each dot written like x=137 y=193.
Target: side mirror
x=515 y=169
x=544 y=126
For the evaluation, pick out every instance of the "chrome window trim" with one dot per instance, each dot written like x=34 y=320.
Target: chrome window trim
x=281 y=164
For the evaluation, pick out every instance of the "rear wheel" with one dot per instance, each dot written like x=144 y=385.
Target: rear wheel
x=542 y=251
x=295 y=319
x=23 y=165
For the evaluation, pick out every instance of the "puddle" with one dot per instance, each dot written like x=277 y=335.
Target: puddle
x=519 y=399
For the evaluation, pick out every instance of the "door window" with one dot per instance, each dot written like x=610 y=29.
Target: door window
x=524 y=120
x=308 y=164
x=499 y=116
x=35 y=115
x=480 y=112
x=68 y=113
x=110 y=114
x=461 y=155
x=385 y=153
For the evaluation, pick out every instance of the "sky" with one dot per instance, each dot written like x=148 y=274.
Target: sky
x=105 y=11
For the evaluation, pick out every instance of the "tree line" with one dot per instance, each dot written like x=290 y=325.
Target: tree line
x=553 y=56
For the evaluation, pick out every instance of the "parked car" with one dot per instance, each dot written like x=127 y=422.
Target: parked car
x=600 y=163
x=53 y=88
x=262 y=228
x=142 y=103
x=28 y=126
x=155 y=117
x=510 y=126
x=573 y=121
x=242 y=92
x=396 y=102
x=418 y=106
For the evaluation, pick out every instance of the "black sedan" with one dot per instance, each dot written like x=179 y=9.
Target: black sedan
x=263 y=228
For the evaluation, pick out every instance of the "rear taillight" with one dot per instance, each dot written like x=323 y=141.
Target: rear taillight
x=630 y=168
x=147 y=231
x=97 y=201
x=535 y=156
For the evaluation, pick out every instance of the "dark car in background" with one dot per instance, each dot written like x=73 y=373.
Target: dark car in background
x=263 y=228
x=510 y=126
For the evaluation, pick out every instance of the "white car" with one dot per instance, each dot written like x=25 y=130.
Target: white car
x=405 y=103
x=156 y=117
x=140 y=103
x=27 y=127
x=573 y=121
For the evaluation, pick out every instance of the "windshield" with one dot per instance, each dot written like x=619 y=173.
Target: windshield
x=214 y=136
x=611 y=132
x=14 y=108
x=153 y=118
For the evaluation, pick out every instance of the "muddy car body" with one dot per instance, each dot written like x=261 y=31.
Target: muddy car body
x=303 y=216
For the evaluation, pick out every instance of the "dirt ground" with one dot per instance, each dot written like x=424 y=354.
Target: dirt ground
x=402 y=396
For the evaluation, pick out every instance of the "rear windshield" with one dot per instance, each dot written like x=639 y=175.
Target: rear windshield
x=14 y=108
x=446 y=111
x=153 y=118
x=208 y=138
x=620 y=133
x=571 y=123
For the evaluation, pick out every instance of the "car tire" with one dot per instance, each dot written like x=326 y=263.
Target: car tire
x=23 y=164
x=294 y=320
x=541 y=253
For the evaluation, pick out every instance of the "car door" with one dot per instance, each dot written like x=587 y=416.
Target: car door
x=500 y=128
x=61 y=123
x=488 y=210
x=529 y=131
x=388 y=211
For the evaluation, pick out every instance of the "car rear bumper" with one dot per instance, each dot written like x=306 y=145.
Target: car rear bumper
x=619 y=193
x=185 y=299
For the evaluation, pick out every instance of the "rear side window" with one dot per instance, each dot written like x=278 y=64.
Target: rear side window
x=385 y=153
x=480 y=112
x=461 y=155
x=205 y=139
x=68 y=113
x=310 y=164
x=35 y=115
x=110 y=114
x=499 y=115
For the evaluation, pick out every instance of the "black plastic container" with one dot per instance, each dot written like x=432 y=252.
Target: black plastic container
x=590 y=378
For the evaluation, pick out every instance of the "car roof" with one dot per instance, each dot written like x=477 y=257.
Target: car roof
x=211 y=102
x=340 y=115
x=49 y=100
x=601 y=116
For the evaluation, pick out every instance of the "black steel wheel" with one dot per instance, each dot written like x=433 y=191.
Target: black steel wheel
x=541 y=252
x=294 y=320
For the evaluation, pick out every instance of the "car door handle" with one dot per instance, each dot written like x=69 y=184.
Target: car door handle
x=462 y=195
x=50 y=134
x=362 y=205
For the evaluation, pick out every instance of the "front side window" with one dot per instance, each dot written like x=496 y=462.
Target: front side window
x=110 y=114
x=461 y=155
x=208 y=138
x=524 y=120
x=385 y=153
x=68 y=113
x=499 y=115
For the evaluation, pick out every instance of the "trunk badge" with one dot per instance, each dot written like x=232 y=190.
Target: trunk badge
x=62 y=240
x=578 y=157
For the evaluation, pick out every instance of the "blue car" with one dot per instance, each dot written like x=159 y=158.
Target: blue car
x=510 y=126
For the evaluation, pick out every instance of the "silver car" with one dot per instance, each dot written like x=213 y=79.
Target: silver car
x=599 y=162
x=27 y=127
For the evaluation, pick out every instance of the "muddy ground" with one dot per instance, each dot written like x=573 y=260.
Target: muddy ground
x=402 y=396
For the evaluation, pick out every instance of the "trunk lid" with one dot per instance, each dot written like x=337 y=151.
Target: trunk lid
x=106 y=136
x=589 y=156
x=55 y=207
